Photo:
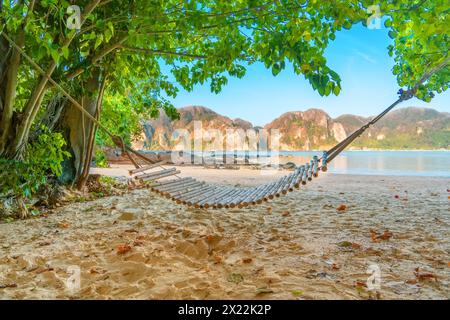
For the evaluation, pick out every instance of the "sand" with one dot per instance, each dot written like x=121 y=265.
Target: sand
x=140 y=246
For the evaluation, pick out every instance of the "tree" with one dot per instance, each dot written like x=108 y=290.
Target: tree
x=131 y=48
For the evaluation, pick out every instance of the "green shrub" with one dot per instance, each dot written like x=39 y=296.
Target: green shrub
x=100 y=159
x=42 y=159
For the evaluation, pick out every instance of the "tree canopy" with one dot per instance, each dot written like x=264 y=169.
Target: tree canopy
x=130 y=57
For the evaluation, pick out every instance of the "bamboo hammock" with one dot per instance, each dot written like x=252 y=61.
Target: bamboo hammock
x=191 y=192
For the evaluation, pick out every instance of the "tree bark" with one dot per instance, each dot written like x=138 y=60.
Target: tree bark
x=78 y=130
x=8 y=91
x=91 y=139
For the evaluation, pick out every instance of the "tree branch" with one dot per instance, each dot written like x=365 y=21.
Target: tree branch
x=163 y=52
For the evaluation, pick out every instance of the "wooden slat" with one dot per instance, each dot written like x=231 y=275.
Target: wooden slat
x=310 y=174
x=156 y=184
x=178 y=194
x=273 y=190
x=281 y=186
x=305 y=174
x=145 y=168
x=245 y=197
x=316 y=166
x=181 y=188
x=190 y=200
x=218 y=200
x=206 y=203
x=162 y=175
x=256 y=197
x=206 y=196
x=195 y=191
x=173 y=186
x=156 y=173
x=170 y=194
x=224 y=201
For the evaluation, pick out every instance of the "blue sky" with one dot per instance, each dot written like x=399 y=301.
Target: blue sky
x=358 y=55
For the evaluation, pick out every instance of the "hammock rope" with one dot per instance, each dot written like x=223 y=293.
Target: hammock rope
x=191 y=192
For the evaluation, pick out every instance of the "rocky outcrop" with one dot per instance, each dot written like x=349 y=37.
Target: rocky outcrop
x=408 y=128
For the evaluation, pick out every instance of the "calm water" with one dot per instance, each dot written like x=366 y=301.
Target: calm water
x=404 y=163
x=400 y=163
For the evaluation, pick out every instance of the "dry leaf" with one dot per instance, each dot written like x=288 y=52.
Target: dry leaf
x=412 y=281
x=424 y=276
x=63 y=225
x=342 y=208
x=269 y=210
x=8 y=285
x=285 y=213
x=123 y=248
x=263 y=290
x=386 y=235
x=217 y=259
x=138 y=243
x=360 y=284
x=448 y=263
x=247 y=260
x=334 y=266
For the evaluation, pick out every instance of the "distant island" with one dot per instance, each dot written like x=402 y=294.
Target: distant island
x=410 y=128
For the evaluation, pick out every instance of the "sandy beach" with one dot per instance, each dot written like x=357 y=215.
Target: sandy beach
x=142 y=246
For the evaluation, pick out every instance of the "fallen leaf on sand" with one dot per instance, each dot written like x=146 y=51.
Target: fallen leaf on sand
x=424 y=276
x=448 y=263
x=285 y=213
x=263 y=290
x=217 y=259
x=348 y=244
x=138 y=243
x=297 y=293
x=376 y=237
x=94 y=271
x=235 y=278
x=342 y=208
x=386 y=235
x=247 y=260
x=8 y=285
x=123 y=248
x=334 y=266
x=210 y=239
x=269 y=210
x=360 y=284
x=411 y=281
x=63 y=225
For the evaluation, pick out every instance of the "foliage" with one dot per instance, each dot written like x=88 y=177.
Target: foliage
x=100 y=158
x=420 y=43
x=43 y=158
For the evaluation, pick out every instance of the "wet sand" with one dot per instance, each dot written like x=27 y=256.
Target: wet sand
x=141 y=246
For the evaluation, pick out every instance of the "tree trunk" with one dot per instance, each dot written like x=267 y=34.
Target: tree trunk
x=91 y=138
x=78 y=131
x=10 y=70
